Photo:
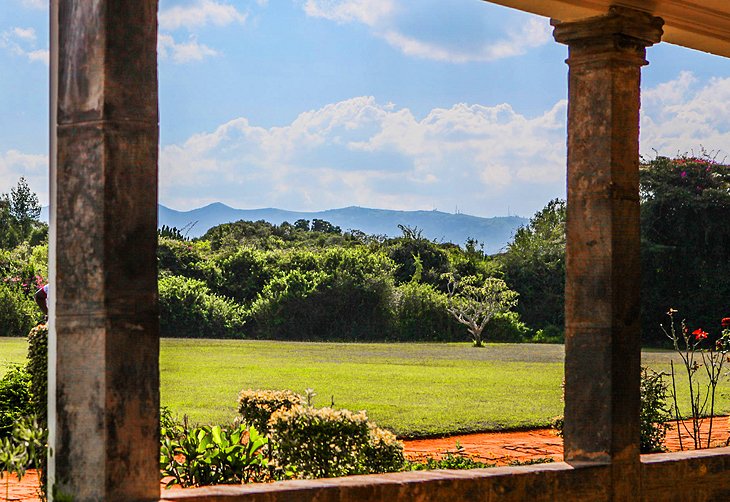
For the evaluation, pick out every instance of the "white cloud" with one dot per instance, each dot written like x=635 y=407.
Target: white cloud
x=35 y=4
x=386 y=18
x=533 y=34
x=200 y=13
x=22 y=42
x=683 y=115
x=25 y=34
x=369 y=12
x=183 y=52
x=34 y=168
x=361 y=152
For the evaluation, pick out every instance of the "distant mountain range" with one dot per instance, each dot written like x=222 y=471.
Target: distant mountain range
x=494 y=232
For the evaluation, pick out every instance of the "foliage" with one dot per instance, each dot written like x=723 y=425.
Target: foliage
x=654 y=412
x=319 y=443
x=19 y=212
x=244 y=273
x=383 y=452
x=534 y=267
x=685 y=239
x=15 y=398
x=211 y=455
x=18 y=312
x=458 y=460
x=421 y=314
x=189 y=309
x=257 y=406
x=474 y=302
x=411 y=249
x=338 y=294
x=25 y=448
x=37 y=366
x=692 y=348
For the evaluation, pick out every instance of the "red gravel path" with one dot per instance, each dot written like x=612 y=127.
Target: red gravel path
x=495 y=447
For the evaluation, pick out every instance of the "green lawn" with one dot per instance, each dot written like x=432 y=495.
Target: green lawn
x=412 y=389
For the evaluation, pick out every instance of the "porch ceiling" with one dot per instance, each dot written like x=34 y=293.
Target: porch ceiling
x=698 y=24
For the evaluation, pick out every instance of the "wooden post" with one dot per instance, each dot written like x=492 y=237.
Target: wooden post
x=603 y=352
x=104 y=341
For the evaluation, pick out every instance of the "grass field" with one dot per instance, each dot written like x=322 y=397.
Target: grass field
x=413 y=389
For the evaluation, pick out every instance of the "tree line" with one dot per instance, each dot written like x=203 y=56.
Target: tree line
x=310 y=280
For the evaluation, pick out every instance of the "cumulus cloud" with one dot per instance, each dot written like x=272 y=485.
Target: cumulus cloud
x=391 y=20
x=685 y=114
x=369 y=12
x=35 y=4
x=182 y=52
x=534 y=33
x=200 y=13
x=34 y=168
x=361 y=152
x=23 y=42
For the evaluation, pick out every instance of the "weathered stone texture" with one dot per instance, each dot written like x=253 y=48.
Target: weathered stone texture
x=106 y=382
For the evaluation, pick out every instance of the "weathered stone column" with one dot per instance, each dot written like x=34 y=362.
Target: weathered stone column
x=602 y=362
x=104 y=383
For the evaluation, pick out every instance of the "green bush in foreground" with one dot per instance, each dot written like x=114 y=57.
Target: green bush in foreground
x=15 y=398
x=257 y=406
x=323 y=443
x=202 y=456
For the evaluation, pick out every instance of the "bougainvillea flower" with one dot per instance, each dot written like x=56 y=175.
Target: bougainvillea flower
x=725 y=322
x=699 y=334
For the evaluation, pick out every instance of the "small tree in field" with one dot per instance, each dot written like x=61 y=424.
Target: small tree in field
x=474 y=301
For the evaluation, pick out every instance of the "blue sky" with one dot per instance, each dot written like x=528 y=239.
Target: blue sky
x=317 y=104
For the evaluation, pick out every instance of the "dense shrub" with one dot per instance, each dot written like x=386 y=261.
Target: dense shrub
x=654 y=411
x=339 y=294
x=412 y=249
x=243 y=274
x=421 y=314
x=319 y=443
x=15 y=398
x=383 y=452
x=257 y=406
x=37 y=366
x=507 y=327
x=18 y=311
x=189 y=309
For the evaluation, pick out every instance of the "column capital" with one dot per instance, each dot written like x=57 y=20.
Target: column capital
x=621 y=32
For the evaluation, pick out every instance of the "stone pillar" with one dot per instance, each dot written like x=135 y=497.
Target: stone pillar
x=603 y=353
x=104 y=383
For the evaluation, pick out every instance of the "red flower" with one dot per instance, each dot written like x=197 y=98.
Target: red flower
x=725 y=322
x=699 y=334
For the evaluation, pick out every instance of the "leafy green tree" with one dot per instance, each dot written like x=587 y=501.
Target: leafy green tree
x=24 y=206
x=685 y=240
x=534 y=266
x=325 y=227
x=474 y=302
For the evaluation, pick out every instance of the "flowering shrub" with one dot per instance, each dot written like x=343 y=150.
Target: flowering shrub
x=257 y=406
x=383 y=452
x=320 y=443
x=698 y=351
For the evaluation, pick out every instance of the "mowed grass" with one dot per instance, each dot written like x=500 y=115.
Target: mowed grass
x=412 y=389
